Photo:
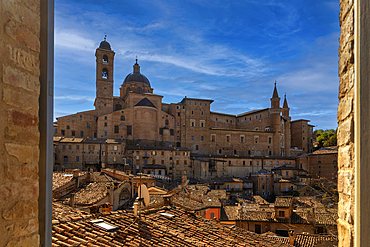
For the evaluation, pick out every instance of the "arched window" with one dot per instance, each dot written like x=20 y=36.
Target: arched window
x=65 y=159
x=122 y=118
x=105 y=59
x=128 y=90
x=105 y=73
x=139 y=89
x=166 y=122
x=118 y=107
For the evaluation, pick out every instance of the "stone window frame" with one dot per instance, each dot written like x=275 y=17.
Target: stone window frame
x=242 y=138
x=228 y=138
x=202 y=123
x=213 y=138
x=192 y=122
x=361 y=119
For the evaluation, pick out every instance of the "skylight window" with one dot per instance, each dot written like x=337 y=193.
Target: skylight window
x=103 y=225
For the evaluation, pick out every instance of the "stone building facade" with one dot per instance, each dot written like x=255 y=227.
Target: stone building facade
x=139 y=114
x=322 y=163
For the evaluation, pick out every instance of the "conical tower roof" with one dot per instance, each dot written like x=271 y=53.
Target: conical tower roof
x=285 y=105
x=275 y=94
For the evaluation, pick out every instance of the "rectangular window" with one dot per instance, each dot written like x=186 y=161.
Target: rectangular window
x=80 y=116
x=116 y=129
x=81 y=133
x=105 y=124
x=172 y=132
x=228 y=138
x=69 y=146
x=77 y=147
x=201 y=113
x=242 y=139
x=64 y=147
x=67 y=127
x=201 y=124
x=88 y=125
x=201 y=138
x=73 y=133
x=281 y=214
x=178 y=124
x=129 y=130
x=105 y=133
x=213 y=138
x=161 y=131
x=77 y=158
x=115 y=148
x=62 y=132
x=192 y=138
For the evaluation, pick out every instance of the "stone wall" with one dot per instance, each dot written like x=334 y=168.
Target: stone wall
x=19 y=122
x=346 y=172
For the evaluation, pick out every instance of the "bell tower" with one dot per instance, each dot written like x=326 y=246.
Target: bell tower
x=104 y=78
x=275 y=112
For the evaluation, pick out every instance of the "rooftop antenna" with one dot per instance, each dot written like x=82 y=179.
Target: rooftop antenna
x=275 y=82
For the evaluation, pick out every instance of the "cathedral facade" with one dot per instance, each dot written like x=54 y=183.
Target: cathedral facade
x=140 y=118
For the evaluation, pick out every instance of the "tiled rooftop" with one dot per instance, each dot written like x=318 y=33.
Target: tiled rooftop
x=166 y=226
x=323 y=216
x=91 y=194
x=311 y=240
x=61 y=178
x=327 y=150
x=282 y=201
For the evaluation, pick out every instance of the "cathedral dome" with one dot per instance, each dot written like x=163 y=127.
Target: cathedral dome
x=136 y=76
x=105 y=45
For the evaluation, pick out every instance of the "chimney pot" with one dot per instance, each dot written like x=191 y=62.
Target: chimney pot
x=291 y=237
x=135 y=208
x=72 y=200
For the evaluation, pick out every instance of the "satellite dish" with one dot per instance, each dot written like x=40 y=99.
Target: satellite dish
x=144 y=193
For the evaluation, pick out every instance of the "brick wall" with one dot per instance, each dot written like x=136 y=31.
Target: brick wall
x=19 y=134
x=346 y=173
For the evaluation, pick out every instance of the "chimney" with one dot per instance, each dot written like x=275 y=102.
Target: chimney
x=110 y=195
x=200 y=198
x=219 y=196
x=135 y=208
x=291 y=237
x=75 y=173
x=72 y=200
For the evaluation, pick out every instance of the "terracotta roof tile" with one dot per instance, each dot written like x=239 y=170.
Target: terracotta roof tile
x=156 y=229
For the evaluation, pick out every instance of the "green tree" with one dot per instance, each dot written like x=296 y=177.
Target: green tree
x=326 y=138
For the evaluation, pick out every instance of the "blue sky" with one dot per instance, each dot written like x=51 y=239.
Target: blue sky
x=228 y=51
